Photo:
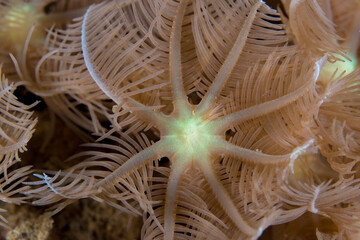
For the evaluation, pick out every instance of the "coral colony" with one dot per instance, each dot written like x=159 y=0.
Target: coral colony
x=210 y=119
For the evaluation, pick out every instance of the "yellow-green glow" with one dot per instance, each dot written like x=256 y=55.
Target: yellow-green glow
x=20 y=14
x=17 y=21
x=340 y=67
x=192 y=137
x=192 y=131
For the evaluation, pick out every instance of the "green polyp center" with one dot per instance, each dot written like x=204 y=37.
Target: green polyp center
x=191 y=137
x=18 y=21
x=334 y=70
x=20 y=14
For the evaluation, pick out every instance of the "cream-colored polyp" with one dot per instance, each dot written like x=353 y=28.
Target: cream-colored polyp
x=192 y=139
x=140 y=71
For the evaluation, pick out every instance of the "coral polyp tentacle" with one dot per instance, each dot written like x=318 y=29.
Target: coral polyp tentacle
x=263 y=108
x=156 y=151
x=180 y=99
x=171 y=194
x=229 y=64
x=224 y=199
